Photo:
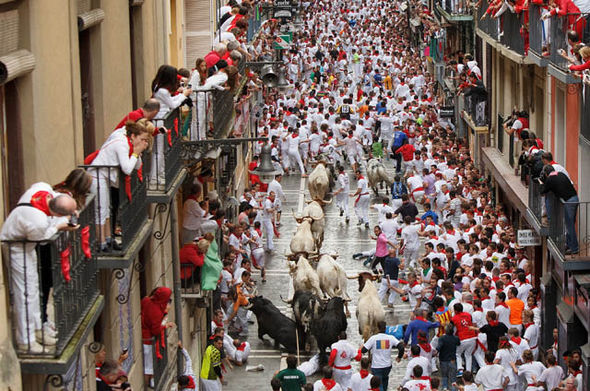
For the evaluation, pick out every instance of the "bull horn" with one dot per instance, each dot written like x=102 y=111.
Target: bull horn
x=326 y=202
x=308 y=201
x=352 y=277
x=317 y=218
x=286 y=301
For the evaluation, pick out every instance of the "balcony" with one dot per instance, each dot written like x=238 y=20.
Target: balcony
x=558 y=228
x=458 y=12
x=121 y=213
x=66 y=291
x=538 y=38
x=474 y=113
x=163 y=363
x=505 y=33
x=536 y=213
x=163 y=166
x=558 y=65
x=190 y=279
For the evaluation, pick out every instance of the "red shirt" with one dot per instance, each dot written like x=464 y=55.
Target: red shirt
x=462 y=321
x=189 y=254
x=134 y=116
x=212 y=58
x=407 y=151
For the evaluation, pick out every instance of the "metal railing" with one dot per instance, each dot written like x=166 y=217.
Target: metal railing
x=164 y=161
x=569 y=226
x=254 y=22
x=537 y=31
x=53 y=281
x=536 y=201
x=455 y=7
x=511 y=25
x=121 y=206
x=210 y=115
x=489 y=25
x=559 y=27
x=475 y=106
x=190 y=279
x=160 y=362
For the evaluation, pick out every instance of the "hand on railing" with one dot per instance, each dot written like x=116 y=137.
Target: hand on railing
x=67 y=227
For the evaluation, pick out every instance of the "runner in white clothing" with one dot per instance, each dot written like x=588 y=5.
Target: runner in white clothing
x=492 y=377
x=268 y=210
x=341 y=355
x=342 y=193
x=361 y=204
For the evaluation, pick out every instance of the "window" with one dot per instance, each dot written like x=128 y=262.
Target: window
x=12 y=151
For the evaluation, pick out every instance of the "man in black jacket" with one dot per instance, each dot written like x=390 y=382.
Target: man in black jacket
x=562 y=188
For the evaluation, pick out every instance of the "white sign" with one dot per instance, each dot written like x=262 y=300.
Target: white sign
x=528 y=237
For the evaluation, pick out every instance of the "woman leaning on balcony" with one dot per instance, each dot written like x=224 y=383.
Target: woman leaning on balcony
x=123 y=150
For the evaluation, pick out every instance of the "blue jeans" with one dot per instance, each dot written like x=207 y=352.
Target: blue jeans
x=448 y=373
x=569 y=214
x=383 y=374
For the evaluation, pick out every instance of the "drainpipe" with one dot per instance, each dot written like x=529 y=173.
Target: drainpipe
x=176 y=276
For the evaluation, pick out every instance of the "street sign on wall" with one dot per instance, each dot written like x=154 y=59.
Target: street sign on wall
x=527 y=237
x=283 y=41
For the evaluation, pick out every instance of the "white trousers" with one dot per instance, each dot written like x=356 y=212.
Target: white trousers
x=157 y=175
x=466 y=347
x=258 y=255
x=342 y=202
x=383 y=288
x=361 y=208
x=268 y=234
x=210 y=385
x=294 y=156
x=242 y=355
x=25 y=286
x=342 y=377
x=411 y=255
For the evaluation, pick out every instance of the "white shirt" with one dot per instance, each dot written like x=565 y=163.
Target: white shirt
x=362 y=184
x=266 y=214
x=528 y=370
x=410 y=236
x=416 y=361
x=192 y=216
x=115 y=152
x=345 y=353
x=507 y=356
x=359 y=384
x=418 y=385
x=276 y=187
x=383 y=209
x=491 y=377
x=380 y=346
x=167 y=101
x=319 y=386
x=551 y=376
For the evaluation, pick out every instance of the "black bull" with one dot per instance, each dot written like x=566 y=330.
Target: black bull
x=273 y=323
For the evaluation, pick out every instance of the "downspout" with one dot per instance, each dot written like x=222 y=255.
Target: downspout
x=176 y=277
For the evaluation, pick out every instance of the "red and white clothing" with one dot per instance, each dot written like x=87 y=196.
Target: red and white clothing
x=418 y=385
x=341 y=355
x=462 y=322
x=326 y=385
x=361 y=381
x=529 y=371
x=491 y=377
x=361 y=204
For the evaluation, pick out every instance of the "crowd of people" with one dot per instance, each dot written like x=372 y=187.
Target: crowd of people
x=360 y=91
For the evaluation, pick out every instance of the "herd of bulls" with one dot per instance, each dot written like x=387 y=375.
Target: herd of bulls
x=320 y=300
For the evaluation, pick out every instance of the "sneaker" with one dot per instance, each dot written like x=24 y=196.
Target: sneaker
x=460 y=373
x=357 y=255
x=341 y=212
x=359 y=223
x=49 y=329
x=347 y=220
x=367 y=225
x=32 y=348
x=44 y=339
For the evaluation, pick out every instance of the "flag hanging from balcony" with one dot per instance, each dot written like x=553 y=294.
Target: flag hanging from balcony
x=211 y=268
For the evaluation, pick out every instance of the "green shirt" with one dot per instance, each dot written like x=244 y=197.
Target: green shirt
x=291 y=379
x=377 y=149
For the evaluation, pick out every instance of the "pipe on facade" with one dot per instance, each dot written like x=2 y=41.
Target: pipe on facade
x=176 y=277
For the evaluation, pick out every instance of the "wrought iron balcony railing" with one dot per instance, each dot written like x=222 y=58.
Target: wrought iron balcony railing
x=121 y=207
x=569 y=226
x=164 y=162
x=160 y=360
x=53 y=286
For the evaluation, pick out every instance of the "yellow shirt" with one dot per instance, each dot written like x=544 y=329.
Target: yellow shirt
x=211 y=359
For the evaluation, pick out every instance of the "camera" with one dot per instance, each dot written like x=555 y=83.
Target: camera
x=73 y=220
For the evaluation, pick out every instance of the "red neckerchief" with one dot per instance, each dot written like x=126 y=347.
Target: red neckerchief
x=40 y=200
x=128 y=177
x=218 y=324
x=420 y=318
x=364 y=373
x=193 y=197
x=451 y=232
x=328 y=383
x=485 y=298
x=294 y=135
x=576 y=373
x=526 y=325
x=516 y=340
x=532 y=307
x=258 y=231
x=478 y=309
x=425 y=346
x=413 y=284
x=493 y=323
x=361 y=177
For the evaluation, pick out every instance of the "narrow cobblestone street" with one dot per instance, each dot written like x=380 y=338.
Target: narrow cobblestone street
x=341 y=238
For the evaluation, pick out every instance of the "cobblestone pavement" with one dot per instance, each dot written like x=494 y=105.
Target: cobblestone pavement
x=344 y=239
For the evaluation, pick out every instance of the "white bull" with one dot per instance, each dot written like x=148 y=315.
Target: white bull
x=315 y=211
x=304 y=277
x=369 y=311
x=303 y=241
x=319 y=182
x=333 y=279
x=377 y=174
